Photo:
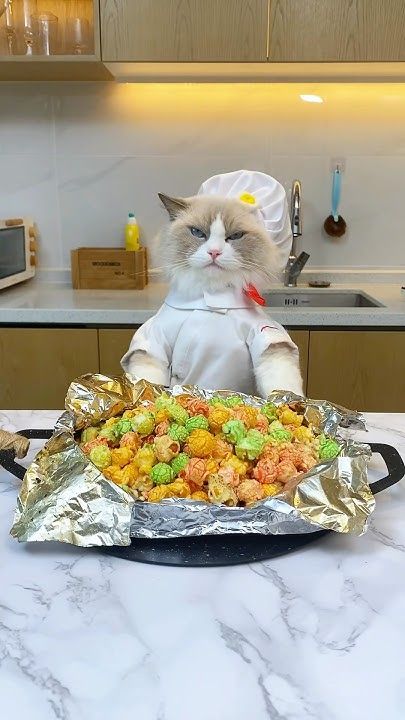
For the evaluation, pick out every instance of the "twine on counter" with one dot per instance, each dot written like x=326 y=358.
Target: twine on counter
x=12 y=441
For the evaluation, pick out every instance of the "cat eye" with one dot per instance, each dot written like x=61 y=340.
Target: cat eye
x=198 y=233
x=236 y=236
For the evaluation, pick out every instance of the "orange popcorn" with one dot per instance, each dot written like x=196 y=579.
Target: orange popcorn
x=221 y=448
x=249 y=491
x=162 y=428
x=285 y=470
x=265 y=471
x=195 y=406
x=195 y=472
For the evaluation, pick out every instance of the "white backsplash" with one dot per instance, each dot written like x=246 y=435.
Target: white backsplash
x=79 y=157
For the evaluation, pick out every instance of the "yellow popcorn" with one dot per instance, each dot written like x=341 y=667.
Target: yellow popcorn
x=270 y=489
x=289 y=417
x=211 y=465
x=239 y=466
x=303 y=434
x=121 y=456
x=129 y=474
x=200 y=443
x=199 y=495
x=157 y=493
x=217 y=417
x=161 y=416
x=178 y=488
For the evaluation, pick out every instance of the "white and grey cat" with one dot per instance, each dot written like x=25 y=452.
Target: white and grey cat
x=215 y=244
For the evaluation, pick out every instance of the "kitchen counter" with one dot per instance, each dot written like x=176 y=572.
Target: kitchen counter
x=58 y=304
x=316 y=635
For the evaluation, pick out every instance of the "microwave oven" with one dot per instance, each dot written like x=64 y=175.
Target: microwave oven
x=18 y=247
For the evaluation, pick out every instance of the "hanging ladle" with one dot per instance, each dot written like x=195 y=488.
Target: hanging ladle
x=335 y=225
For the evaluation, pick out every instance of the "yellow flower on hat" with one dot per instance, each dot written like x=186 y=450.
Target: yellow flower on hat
x=248 y=198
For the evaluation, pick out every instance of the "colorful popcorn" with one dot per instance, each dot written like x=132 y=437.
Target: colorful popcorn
x=222 y=451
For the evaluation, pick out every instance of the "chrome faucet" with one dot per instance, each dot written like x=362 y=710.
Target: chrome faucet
x=295 y=264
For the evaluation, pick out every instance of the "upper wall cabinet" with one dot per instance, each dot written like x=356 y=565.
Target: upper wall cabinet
x=178 y=31
x=50 y=40
x=336 y=30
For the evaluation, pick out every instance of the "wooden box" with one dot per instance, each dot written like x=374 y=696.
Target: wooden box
x=109 y=269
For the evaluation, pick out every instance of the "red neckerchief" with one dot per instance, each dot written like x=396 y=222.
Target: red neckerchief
x=254 y=294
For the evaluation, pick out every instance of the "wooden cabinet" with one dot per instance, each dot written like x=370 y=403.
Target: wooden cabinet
x=301 y=339
x=113 y=344
x=192 y=31
x=38 y=364
x=336 y=30
x=363 y=370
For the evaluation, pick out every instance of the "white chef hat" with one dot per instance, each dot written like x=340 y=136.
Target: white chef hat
x=262 y=190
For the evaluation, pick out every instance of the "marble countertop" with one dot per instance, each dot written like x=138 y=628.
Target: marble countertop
x=58 y=304
x=316 y=635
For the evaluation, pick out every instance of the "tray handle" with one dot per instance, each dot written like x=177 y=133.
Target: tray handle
x=7 y=460
x=395 y=466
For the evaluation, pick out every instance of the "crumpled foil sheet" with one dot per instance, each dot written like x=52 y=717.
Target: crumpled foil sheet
x=65 y=497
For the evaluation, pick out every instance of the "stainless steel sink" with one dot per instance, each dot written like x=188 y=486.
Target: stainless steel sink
x=315 y=298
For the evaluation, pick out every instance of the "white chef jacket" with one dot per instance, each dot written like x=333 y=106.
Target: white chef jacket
x=213 y=341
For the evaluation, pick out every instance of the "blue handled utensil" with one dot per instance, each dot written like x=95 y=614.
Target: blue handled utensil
x=335 y=225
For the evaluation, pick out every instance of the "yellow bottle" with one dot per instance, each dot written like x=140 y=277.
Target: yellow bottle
x=132 y=233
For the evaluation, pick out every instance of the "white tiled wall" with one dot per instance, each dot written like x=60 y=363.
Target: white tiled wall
x=78 y=157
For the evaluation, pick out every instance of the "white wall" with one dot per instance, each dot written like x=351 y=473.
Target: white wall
x=78 y=157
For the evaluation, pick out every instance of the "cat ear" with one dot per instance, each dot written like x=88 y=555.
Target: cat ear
x=174 y=206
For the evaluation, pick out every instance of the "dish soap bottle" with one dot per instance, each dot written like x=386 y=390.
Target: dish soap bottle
x=132 y=233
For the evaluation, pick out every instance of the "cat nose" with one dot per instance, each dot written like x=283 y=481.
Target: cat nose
x=214 y=253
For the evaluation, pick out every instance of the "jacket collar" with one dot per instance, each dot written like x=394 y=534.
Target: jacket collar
x=221 y=301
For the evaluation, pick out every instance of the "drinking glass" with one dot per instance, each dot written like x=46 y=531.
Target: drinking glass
x=29 y=9
x=3 y=6
x=45 y=29
x=7 y=8
x=78 y=35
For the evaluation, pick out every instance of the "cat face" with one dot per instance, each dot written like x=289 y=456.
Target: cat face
x=212 y=242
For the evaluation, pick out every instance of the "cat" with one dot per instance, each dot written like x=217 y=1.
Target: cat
x=212 y=249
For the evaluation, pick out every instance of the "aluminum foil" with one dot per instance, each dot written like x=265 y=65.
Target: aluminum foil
x=65 y=497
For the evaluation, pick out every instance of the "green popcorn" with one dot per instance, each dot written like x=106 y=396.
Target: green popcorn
x=250 y=447
x=179 y=463
x=276 y=425
x=162 y=474
x=328 y=448
x=108 y=432
x=216 y=400
x=177 y=432
x=89 y=434
x=233 y=401
x=123 y=426
x=143 y=423
x=100 y=456
x=279 y=435
x=198 y=422
x=270 y=411
x=234 y=430
x=163 y=402
x=178 y=413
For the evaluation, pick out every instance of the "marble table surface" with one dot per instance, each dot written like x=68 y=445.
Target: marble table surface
x=316 y=635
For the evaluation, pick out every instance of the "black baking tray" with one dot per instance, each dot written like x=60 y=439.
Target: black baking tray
x=218 y=550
